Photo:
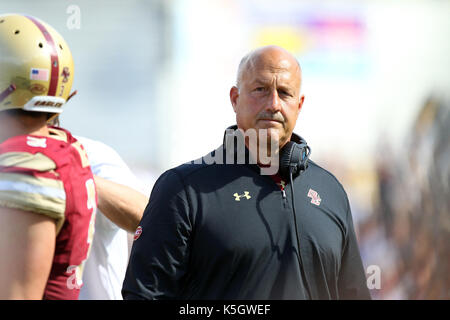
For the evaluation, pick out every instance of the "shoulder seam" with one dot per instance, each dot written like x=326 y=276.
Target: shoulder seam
x=201 y=167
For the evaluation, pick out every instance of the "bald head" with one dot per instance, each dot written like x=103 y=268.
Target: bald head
x=267 y=93
x=270 y=58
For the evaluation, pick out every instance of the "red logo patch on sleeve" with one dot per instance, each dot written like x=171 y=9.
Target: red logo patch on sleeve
x=138 y=232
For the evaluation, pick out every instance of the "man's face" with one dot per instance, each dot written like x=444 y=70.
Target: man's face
x=268 y=96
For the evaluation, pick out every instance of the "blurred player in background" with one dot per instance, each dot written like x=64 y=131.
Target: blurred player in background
x=121 y=205
x=48 y=197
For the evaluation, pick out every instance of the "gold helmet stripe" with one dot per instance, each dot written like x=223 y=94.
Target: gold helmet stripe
x=53 y=57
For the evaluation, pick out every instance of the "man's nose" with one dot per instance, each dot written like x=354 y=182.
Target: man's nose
x=274 y=103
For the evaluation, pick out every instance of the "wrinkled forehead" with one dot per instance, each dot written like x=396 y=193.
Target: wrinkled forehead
x=273 y=61
x=268 y=67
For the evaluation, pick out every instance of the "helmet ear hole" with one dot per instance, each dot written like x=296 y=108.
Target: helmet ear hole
x=17 y=32
x=60 y=46
x=40 y=45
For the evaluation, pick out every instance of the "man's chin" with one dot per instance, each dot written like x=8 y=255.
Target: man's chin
x=272 y=132
x=271 y=135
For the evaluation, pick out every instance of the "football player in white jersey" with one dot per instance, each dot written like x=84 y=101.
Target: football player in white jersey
x=121 y=204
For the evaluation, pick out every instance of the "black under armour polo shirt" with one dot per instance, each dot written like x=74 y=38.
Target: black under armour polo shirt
x=224 y=231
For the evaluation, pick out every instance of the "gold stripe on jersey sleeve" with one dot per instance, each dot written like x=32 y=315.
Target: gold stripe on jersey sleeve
x=27 y=160
x=36 y=194
x=83 y=155
x=20 y=181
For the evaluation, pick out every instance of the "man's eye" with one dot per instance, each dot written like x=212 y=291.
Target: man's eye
x=259 y=89
x=284 y=93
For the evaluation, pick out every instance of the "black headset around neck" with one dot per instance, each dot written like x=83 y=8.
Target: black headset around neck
x=294 y=158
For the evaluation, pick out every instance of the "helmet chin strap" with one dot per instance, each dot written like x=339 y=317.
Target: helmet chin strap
x=71 y=95
x=53 y=119
x=7 y=92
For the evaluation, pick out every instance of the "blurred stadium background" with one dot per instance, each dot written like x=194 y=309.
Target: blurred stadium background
x=153 y=79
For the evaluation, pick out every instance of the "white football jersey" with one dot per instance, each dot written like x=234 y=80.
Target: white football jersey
x=105 y=268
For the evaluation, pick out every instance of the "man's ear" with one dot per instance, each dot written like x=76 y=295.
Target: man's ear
x=300 y=104
x=234 y=95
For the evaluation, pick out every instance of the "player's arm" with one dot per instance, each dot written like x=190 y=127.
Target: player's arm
x=122 y=205
x=27 y=245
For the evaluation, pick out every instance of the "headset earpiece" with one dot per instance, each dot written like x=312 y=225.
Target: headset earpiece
x=293 y=158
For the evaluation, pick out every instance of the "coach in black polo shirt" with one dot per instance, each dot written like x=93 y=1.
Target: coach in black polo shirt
x=228 y=231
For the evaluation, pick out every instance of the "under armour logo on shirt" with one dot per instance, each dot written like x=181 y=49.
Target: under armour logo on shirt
x=315 y=198
x=238 y=197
